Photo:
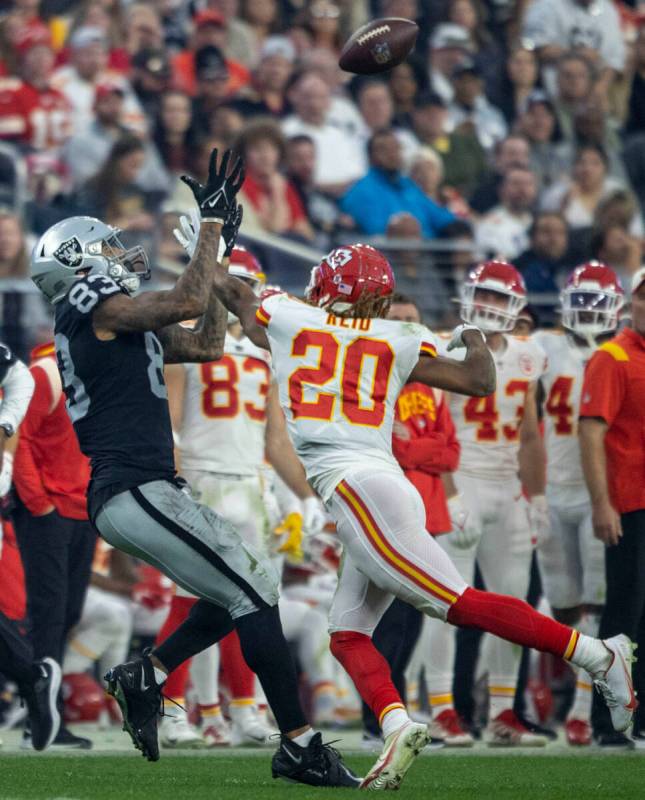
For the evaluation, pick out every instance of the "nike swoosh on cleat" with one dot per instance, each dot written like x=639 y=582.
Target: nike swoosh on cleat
x=295 y=759
x=144 y=685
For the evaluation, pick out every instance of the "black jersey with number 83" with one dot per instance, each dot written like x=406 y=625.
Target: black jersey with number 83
x=116 y=395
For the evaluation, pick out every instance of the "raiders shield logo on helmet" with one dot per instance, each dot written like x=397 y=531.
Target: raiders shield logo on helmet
x=69 y=253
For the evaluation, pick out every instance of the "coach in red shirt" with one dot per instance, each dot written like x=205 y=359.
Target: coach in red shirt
x=612 y=441
x=55 y=538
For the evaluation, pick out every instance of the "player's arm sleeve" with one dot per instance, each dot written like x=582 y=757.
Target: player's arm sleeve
x=26 y=475
x=269 y=309
x=604 y=386
x=18 y=388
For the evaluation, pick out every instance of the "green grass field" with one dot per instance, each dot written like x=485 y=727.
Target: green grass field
x=241 y=777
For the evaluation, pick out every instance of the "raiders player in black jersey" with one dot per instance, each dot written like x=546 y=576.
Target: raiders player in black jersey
x=111 y=347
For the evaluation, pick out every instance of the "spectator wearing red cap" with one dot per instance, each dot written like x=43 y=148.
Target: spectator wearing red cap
x=89 y=67
x=612 y=421
x=32 y=112
x=209 y=29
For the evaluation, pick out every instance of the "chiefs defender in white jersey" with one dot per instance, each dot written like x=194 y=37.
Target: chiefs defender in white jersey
x=571 y=559
x=225 y=415
x=500 y=443
x=340 y=368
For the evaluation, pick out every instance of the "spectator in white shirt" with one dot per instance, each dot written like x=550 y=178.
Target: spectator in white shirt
x=449 y=45
x=470 y=105
x=503 y=232
x=589 y=27
x=340 y=159
x=88 y=68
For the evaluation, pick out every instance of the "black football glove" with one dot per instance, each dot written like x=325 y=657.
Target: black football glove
x=232 y=227
x=216 y=197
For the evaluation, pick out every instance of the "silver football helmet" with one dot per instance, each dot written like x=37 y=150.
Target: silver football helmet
x=80 y=246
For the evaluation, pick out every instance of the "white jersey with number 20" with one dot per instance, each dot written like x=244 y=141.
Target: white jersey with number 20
x=339 y=380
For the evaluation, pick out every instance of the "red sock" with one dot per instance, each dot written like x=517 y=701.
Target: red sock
x=238 y=676
x=513 y=620
x=368 y=669
x=175 y=685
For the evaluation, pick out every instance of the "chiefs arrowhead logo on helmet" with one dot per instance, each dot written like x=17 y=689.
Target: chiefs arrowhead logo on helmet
x=353 y=280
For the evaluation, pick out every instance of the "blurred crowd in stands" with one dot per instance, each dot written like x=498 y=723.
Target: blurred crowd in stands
x=516 y=129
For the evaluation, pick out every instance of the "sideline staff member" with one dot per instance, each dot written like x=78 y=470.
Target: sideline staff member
x=612 y=440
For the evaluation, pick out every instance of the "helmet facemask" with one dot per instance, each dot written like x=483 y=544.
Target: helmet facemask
x=486 y=315
x=126 y=266
x=589 y=313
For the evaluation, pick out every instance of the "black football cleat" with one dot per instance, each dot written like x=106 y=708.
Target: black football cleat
x=317 y=764
x=41 y=700
x=135 y=689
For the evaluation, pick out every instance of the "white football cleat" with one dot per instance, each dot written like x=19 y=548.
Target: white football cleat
x=216 y=732
x=176 y=732
x=615 y=684
x=400 y=750
x=251 y=731
x=447 y=726
x=506 y=730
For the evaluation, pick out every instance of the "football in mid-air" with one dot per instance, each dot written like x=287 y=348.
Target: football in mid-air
x=379 y=45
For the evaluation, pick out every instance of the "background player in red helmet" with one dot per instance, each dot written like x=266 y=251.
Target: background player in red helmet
x=571 y=559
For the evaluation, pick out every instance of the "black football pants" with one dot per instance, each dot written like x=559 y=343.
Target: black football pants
x=57 y=555
x=624 y=611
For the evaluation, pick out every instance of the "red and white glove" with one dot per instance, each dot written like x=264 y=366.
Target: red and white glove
x=539 y=519
x=466 y=531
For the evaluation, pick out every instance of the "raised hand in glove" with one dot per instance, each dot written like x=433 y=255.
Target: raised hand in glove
x=187 y=234
x=216 y=197
x=457 y=340
x=291 y=529
x=232 y=228
x=466 y=531
x=539 y=519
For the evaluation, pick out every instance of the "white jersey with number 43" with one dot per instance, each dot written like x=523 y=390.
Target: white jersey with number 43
x=224 y=413
x=339 y=380
x=562 y=383
x=488 y=428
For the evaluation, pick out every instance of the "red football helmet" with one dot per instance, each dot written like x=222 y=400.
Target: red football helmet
x=243 y=264
x=591 y=300
x=346 y=275
x=84 y=699
x=503 y=280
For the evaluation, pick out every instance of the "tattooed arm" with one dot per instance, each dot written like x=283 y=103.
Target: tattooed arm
x=151 y=311
x=205 y=342
x=241 y=300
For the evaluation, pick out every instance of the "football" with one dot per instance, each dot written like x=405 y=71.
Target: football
x=378 y=46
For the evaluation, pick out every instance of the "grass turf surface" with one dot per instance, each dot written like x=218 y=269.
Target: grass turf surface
x=524 y=777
